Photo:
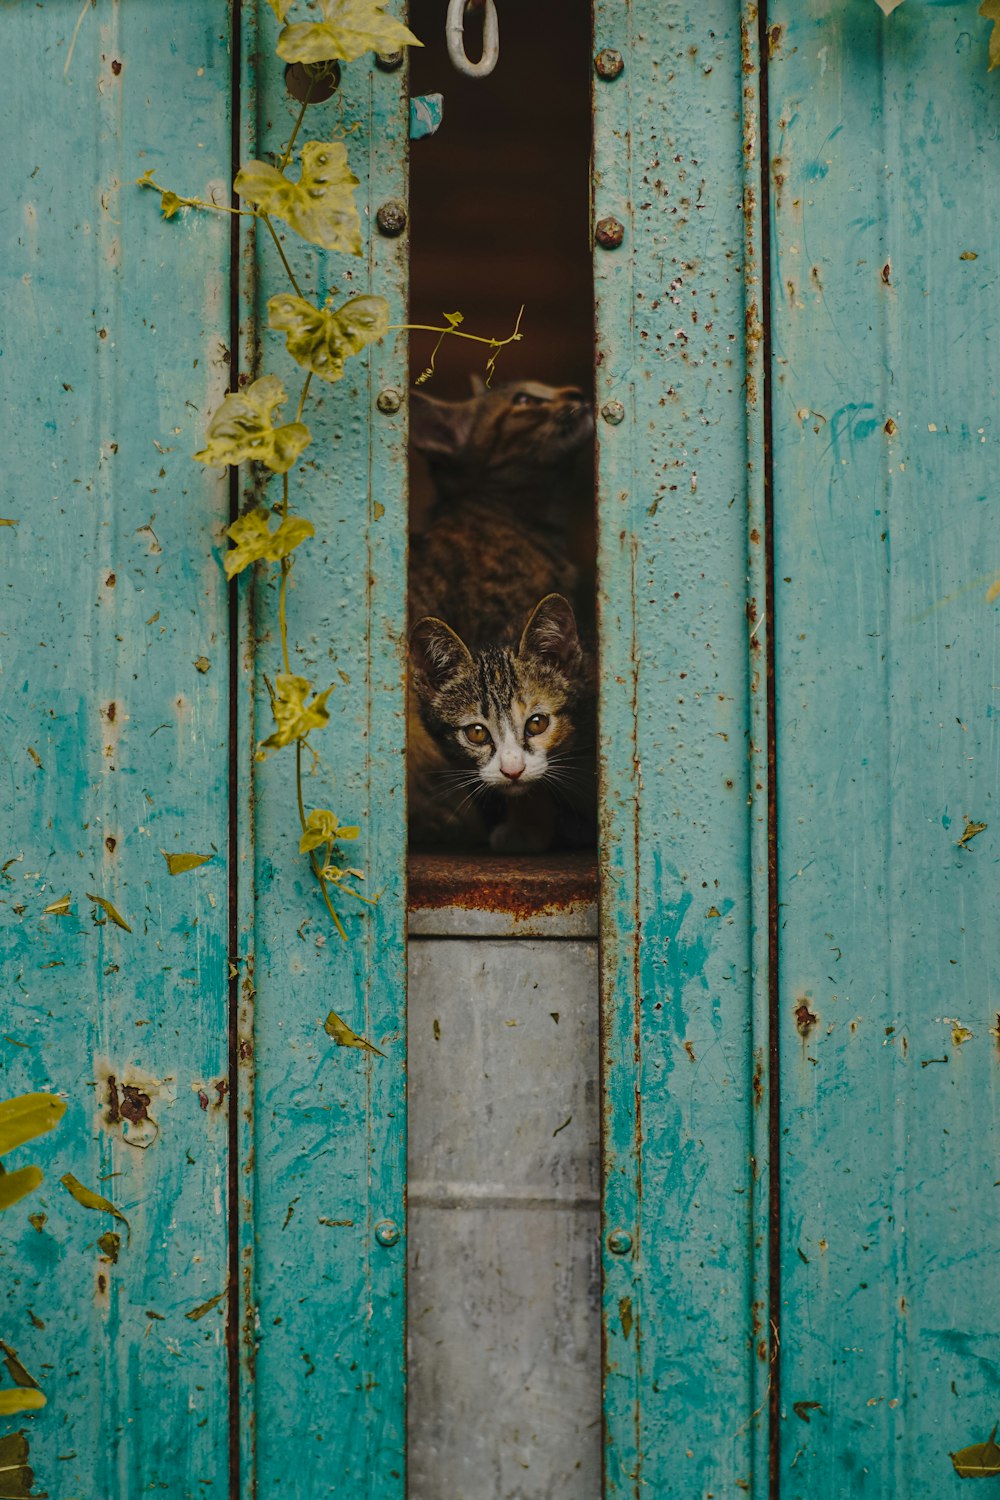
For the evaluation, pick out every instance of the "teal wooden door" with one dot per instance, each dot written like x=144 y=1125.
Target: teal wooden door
x=245 y=1334
x=798 y=591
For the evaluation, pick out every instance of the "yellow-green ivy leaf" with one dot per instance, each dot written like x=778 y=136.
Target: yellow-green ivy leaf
x=60 y=908
x=17 y=1185
x=345 y=1037
x=321 y=340
x=320 y=206
x=170 y=204
x=243 y=428
x=112 y=911
x=88 y=1199
x=981 y=1461
x=179 y=864
x=348 y=29
x=256 y=542
x=323 y=827
x=991 y=10
x=13 y=1401
x=280 y=7
x=292 y=714
x=26 y=1117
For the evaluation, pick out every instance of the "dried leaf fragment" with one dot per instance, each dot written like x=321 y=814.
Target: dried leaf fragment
x=991 y=10
x=110 y=1245
x=206 y=1307
x=16 y=1478
x=320 y=206
x=26 y=1117
x=16 y=1370
x=179 y=864
x=244 y=428
x=345 y=1037
x=111 y=911
x=17 y=1185
x=88 y=1199
x=971 y=828
x=980 y=1461
x=10 y=1402
x=888 y=6
x=803 y=1408
x=60 y=908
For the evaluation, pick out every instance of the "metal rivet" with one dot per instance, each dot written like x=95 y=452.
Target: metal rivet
x=388 y=62
x=619 y=1242
x=613 y=412
x=608 y=63
x=388 y=401
x=609 y=233
x=391 y=218
x=387 y=1232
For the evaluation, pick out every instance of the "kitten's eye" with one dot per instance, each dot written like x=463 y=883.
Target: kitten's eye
x=525 y=398
x=537 y=724
x=476 y=734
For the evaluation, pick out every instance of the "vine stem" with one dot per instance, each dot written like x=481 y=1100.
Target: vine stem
x=266 y=219
x=286 y=158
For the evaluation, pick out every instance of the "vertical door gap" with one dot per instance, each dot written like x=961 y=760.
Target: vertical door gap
x=774 y=996
x=234 y=1316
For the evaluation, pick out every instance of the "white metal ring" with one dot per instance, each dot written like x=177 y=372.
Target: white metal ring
x=454 y=30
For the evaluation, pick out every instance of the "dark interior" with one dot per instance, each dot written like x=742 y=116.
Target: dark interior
x=499 y=218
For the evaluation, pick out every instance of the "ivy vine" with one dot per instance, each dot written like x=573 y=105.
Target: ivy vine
x=249 y=426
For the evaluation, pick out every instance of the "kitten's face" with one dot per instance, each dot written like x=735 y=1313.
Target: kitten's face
x=506 y=717
x=521 y=424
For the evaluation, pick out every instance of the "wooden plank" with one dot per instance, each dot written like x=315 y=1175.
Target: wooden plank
x=114 y=668
x=885 y=149
x=675 y=850
x=330 y=1122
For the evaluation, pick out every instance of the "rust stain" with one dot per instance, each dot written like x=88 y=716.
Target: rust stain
x=887 y=273
x=522 y=887
x=774 y=36
x=805 y=1019
x=689 y=1049
x=757 y=1082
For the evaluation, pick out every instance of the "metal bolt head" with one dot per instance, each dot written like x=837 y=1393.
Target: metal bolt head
x=609 y=233
x=613 y=412
x=387 y=1232
x=388 y=62
x=388 y=401
x=608 y=63
x=619 y=1242
x=391 y=218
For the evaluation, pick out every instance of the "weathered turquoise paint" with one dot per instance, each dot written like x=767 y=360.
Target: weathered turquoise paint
x=114 y=743
x=884 y=143
x=675 y=852
x=330 y=1122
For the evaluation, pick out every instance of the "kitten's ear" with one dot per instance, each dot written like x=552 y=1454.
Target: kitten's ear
x=439 y=427
x=436 y=652
x=477 y=385
x=551 y=632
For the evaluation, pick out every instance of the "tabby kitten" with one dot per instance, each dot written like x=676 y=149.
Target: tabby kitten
x=504 y=724
x=501 y=696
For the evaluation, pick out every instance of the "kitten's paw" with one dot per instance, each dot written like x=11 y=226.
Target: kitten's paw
x=507 y=838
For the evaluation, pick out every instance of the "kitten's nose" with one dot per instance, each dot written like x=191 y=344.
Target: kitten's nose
x=512 y=773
